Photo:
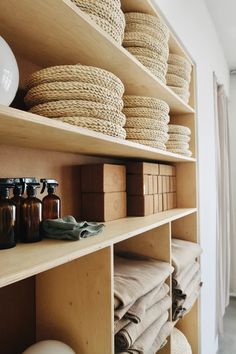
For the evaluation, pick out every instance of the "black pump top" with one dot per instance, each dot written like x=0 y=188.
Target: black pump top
x=19 y=186
x=48 y=183
x=5 y=185
x=32 y=184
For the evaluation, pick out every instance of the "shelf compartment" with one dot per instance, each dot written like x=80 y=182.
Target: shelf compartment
x=80 y=40
x=19 y=128
x=26 y=260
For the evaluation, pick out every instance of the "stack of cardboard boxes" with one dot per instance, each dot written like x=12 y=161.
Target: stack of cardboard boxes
x=151 y=188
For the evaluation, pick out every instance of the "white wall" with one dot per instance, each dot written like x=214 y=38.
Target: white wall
x=192 y=23
x=232 y=142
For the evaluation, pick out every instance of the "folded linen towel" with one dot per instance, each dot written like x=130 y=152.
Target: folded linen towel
x=184 y=253
x=189 y=302
x=137 y=312
x=68 y=228
x=134 y=278
x=190 y=277
x=183 y=277
x=160 y=341
x=126 y=337
x=144 y=343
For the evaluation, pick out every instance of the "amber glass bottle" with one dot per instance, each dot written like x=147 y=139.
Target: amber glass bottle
x=18 y=200
x=7 y=215
x=31 y=215
x=51 y=203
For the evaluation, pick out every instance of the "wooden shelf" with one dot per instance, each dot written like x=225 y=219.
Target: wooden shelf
x=51 y=25
x=26 y=260
x=25 y=129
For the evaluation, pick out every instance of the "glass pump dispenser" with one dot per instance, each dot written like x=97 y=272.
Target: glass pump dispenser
x=7 y=214
x=51 y=203
x=18 y=200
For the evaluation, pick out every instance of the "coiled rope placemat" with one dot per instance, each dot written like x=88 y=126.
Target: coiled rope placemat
x=179 y=129
x=143 y=28
x=133 y=39
x=116 y=32
x=146 y=134
x=177 y=145
x=179 y=71
x=57 y=91
x=151 y=143
x=143 y=112
x=153 y=64
x=79 y=108
x=174 y=80
x=131 y=101
x=97 y=125
x=145 y=52
x=146 y=123
x=176 y=59
x=81 y=73
x=178 y=137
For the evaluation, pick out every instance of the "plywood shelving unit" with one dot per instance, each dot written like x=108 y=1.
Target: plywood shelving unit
x=64 y=290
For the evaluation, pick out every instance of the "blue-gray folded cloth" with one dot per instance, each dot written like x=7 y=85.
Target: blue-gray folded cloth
x=68 y=228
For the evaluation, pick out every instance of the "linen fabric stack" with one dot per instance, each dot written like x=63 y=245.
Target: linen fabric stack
x=141 y=303
x=179 y=137
x=147 y=120
x=186 y=279
x=107 y=14
x=178 y=76
x=81 y=95
x=146 y=37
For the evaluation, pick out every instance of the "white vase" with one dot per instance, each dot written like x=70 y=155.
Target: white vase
x=49 y=347
x=9 y=74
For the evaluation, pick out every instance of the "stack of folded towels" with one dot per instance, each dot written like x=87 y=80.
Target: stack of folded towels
x=179 y=76
x=141 y=303
x=107 y=14
x=81 y=95
x=186 y=279
x=147 y=120
x=146 y=37
x=179 y=137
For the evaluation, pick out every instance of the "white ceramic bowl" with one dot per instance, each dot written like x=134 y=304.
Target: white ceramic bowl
x=9 y=74
x=49 y=347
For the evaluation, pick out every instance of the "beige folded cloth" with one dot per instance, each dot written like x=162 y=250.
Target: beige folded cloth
x=189 y=302
x=134 y=278
x=144 y=343
x=160 y=340
x=193 y=284
x=184 y=253
x=177 y=279
x=189 y=276
x=137 y=312
x=126 y=337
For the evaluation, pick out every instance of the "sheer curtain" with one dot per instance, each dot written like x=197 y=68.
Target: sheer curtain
x=223 y=204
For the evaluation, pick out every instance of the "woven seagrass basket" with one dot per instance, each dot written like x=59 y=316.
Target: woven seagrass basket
x=179 y=129
x=178 y=137
x=131 y=101
x=151 y=143
x=146 y=134
x=146 y=123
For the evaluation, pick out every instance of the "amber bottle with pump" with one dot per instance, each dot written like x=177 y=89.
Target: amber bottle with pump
x=31 y=212
x=7 y=214
x=18 y=200
x=51 y=203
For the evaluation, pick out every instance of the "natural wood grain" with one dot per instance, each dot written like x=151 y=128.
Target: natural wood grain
x=75 y=38
x=25 y=129
x=26 y=260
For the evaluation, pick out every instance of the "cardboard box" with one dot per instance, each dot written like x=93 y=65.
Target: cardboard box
x=170 y=200
x=140 y=205
x=100 y=178
x=174 y=200
x=159 y=185
x=155 y=184
x=157 y=198
x=142 y=168
x=167 y=170
x=150 y=185
x=138 y=184
x=160 y=203
x=103 y=206
x=164 y=201
x=172 y=184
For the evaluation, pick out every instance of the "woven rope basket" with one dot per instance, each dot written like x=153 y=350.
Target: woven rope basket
x=179 y=129
x=138 y=27
x=153 y=64
x=179 y=71
x=78 y=108
x=131 y=101
x=162 y=59
x=146 y=123
x=179 y=137
x=180 y=90
x=177 y=81
x=151 y=143
x=179 y=343
x=97 y=125
x=176 y=59
x=143 y=112
x=147 y=20
x=184 y=152
x=72 y=91
x=80 y=73
x=156 y=73
x=177 y=145
x=133 y=39
x=116 y=32
x=146 y=134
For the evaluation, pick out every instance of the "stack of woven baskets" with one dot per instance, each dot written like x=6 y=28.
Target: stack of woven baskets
x=82 y=95
x=179 y=137
x=107 y=14
x=146 y=120
x=146 y=37
x=179 y=75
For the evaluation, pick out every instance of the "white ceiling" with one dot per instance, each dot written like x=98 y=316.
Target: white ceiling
x=223 y=13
